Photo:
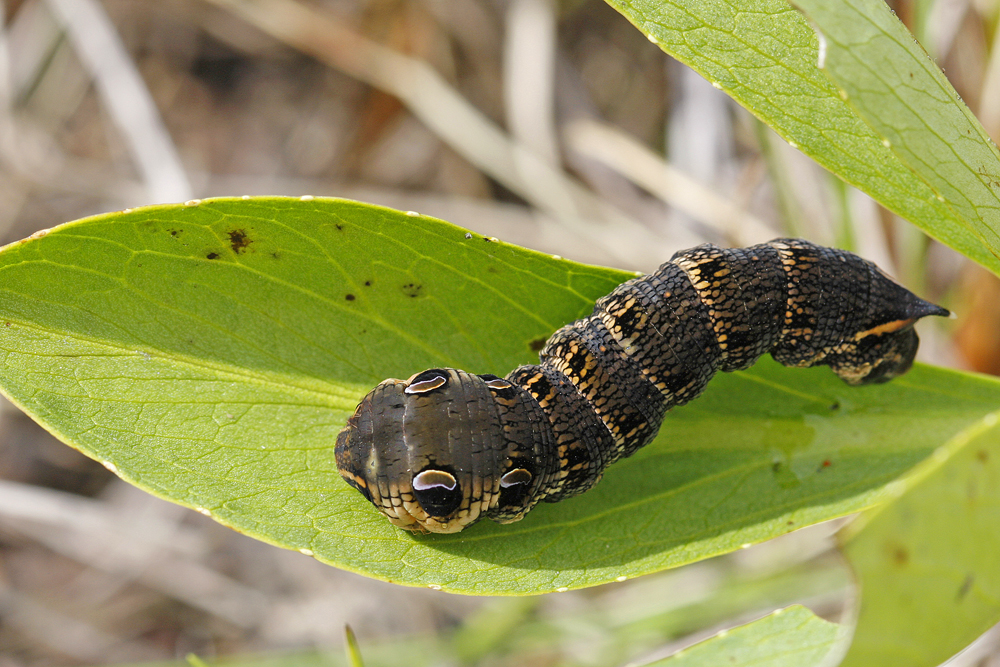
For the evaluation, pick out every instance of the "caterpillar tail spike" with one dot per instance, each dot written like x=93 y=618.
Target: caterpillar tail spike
x=439 y=451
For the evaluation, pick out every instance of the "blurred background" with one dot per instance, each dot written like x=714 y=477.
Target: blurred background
x=551 y=124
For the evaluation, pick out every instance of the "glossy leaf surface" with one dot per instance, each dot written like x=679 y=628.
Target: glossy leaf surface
x=887 y=78
x=766 y=56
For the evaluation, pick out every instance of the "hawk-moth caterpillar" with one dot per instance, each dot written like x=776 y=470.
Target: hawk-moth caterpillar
x=439 y=451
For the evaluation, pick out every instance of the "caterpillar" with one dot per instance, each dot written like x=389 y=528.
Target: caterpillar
x=437 y=452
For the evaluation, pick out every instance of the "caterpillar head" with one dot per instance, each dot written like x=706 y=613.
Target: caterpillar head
x=434 y=453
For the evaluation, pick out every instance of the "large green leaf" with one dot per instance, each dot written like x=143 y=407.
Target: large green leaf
x=792 y=637
x=210 y=353
x=765 y=55
x=906 y=99
x=927 y=563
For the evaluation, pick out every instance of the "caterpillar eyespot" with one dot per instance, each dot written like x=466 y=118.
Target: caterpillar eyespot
x=514 y=477
x=496 y=447
x=425 y=382
x=434 y=479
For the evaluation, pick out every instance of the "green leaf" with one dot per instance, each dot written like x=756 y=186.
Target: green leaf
x=211 y=353
x=793 y=636
x=494 y=626
x=906 y=99
x=351 y=649
x=764 y=55
x=640 y=617
x=927 y=563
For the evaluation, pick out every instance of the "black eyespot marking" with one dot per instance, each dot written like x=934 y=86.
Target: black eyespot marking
x=493 y=382
x=515 y=477
x=431 y=479
x=500 y=388
x=421 y=383
x=605 y=382
x=437 y=491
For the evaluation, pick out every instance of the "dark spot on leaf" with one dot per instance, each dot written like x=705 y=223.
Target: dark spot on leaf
x=412 y=290
x=349 y=297
x=537 y=344
x=776 y=466
x=983 y=456
x=966 y=586
x=212 y=255
x=835 y=405
x=368 y=283
x=827 y=463
x=6 y=324
x=900 y=555
x=991 y=179
x=175 y=232
x=340 y=228
x=492 y=269
x=276 y=255
x=239 y=241
x=790 y=523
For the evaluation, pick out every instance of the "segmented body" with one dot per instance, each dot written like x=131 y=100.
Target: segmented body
x=440 y=450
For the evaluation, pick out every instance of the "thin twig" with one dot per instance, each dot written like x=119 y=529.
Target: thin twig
x=126 y=96
x=638 y=163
